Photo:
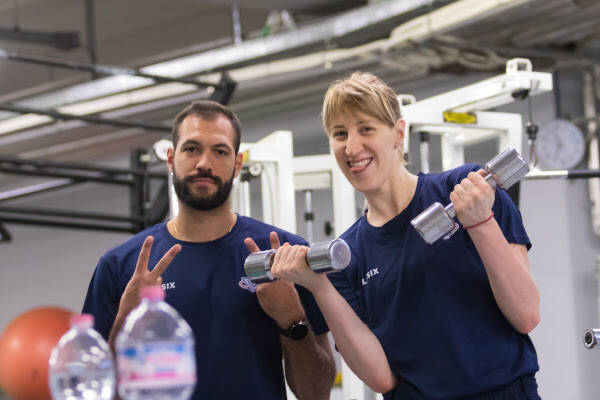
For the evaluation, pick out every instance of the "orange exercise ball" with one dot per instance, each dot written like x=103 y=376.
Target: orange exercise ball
x=25 y=347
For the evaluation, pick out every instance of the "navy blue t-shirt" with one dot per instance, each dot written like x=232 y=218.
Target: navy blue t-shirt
x=238 y=348
x=431 y=306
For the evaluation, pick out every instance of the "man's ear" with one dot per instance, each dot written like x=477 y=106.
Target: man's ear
x=170 y=156
x=239 y=160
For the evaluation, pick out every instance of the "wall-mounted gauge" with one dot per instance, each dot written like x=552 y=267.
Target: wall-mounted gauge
x=560 y=145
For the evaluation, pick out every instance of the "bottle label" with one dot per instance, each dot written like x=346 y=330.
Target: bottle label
x=155 y=365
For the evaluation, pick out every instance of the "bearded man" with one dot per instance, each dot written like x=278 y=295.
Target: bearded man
x=242 y=331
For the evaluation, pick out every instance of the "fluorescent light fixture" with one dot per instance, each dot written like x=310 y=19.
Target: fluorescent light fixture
x=107 y=103
x=23 y=122
x=127 y=99
x=99 y=95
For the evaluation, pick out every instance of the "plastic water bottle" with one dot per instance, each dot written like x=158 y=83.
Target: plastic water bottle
x=155 y=351
x=81 y=365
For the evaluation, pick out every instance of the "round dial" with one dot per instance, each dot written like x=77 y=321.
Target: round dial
x=560 y=145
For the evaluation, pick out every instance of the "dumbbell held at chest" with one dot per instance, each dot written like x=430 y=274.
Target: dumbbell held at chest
x=324 y=256
x=504 y=170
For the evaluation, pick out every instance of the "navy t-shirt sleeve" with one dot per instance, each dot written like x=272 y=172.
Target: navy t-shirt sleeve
x=509 y=218
x=103 y=297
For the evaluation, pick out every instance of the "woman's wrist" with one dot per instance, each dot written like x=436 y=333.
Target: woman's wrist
x=479 y=223
x=319 y=284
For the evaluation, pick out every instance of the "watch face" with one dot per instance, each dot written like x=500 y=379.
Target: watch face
x=299 y=331
x=560 y=145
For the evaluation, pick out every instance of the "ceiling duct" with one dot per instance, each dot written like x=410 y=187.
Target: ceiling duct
x=62 y=40
x=248 y=52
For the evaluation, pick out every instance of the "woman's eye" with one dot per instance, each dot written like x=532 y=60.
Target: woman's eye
x=338 y=134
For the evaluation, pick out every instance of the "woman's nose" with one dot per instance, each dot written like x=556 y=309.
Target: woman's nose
x=353 y=145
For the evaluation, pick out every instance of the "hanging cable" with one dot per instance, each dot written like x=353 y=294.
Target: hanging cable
x=531 y=130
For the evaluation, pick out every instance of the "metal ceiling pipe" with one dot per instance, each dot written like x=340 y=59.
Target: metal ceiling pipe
x=108 y=172
x=66 y=40
x=90 y=30
x=85 y=118
x=250 y=51
x=99 y=69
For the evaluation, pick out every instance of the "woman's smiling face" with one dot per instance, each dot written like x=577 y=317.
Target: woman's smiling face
x=366 y=149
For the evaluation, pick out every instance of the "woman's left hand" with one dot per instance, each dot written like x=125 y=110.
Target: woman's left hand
x=473 y=199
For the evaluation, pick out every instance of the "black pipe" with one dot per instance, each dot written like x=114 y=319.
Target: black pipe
x=62 y=224
x=5 y=235
x=70 y=214
x=90 y=32
x=564 y=174
x=85 y=118
x=583 y=173
x=57 y=174
x=100 y=69
x=81 y=167
x=29 y=191
x=137 y=190
x=62 y=40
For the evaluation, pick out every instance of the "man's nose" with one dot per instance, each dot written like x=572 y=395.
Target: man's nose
x=203 y=161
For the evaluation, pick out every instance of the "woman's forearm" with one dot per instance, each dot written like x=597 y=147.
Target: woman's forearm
x=357 y=344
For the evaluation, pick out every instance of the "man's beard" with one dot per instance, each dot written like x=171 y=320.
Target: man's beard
x=202 y=202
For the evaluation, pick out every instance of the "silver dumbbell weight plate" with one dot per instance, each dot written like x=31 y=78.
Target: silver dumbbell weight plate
x=258 y=266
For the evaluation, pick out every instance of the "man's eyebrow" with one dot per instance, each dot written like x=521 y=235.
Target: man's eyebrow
x=226 y=145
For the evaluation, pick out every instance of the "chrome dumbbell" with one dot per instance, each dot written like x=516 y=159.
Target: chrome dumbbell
x=326 y=256
x=504 y=170
x=591 y=338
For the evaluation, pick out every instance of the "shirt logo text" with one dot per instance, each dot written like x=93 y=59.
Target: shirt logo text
x=369 y=275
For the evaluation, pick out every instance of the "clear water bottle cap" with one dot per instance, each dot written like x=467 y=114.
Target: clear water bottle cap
x=155 y=292
x=81 y=319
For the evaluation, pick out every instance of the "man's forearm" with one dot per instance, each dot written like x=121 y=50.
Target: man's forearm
x=309 y=366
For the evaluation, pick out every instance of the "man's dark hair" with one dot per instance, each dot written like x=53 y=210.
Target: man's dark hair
x=209 y=110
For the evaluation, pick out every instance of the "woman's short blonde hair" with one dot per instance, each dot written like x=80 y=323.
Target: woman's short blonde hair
x=360 y=92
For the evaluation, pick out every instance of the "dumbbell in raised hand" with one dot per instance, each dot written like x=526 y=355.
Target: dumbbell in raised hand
x=321 y=257
x=504 y=170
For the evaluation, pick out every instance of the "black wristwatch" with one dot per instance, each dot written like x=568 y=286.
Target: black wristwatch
x=296 y=331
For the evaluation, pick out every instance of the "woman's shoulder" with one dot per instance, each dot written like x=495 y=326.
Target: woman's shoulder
x=450 y=177
x=350 y=234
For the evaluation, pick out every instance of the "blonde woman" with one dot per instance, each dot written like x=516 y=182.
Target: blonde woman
x=418 y=321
